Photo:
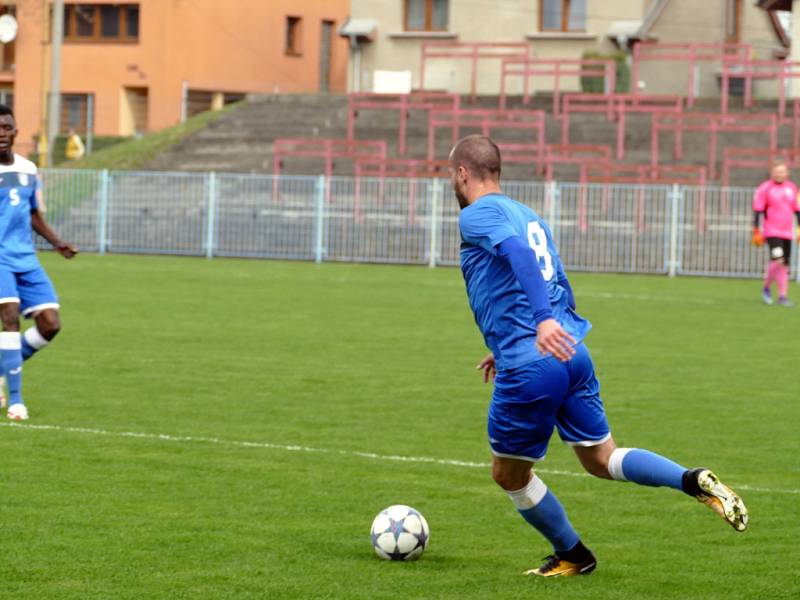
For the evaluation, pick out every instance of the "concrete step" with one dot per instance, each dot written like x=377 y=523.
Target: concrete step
x=242 y=140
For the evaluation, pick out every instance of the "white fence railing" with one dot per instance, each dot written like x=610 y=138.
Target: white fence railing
x=670 y=230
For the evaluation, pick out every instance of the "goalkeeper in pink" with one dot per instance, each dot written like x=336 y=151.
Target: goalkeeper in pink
x=776 y=201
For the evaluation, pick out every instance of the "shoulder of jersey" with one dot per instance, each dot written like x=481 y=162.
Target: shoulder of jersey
x=23 y=165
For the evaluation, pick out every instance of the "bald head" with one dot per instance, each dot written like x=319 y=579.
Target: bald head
x=479 y=155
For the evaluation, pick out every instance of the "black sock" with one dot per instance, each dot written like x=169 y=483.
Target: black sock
x=577 y=554
x=689 y=482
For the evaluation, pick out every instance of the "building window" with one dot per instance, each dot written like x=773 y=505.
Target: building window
x=562 y=15
x=101 y=23
x=426 y=15
x=294 y=36
x=75 y=113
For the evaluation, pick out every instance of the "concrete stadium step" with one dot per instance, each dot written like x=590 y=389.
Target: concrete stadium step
x=242 y=140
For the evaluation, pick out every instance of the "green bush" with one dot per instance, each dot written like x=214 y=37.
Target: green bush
x=595 y=85
x=100 y=142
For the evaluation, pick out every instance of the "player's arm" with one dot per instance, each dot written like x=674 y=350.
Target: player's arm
x=758 y=237
x=759 y=210
x=41 y=227
x=797 y=214
x=550 y=336
x=564 y=283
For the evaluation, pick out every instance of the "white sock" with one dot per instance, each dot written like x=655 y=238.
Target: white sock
x=34 y=339
x=615 y=463
x=530 y=495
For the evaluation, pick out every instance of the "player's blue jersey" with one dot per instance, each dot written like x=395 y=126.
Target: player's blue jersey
x=501 y=308
x=19 y=197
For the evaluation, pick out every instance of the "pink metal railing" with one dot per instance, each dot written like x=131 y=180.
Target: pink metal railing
x=486 y=121
x=690 y=53
x=714 y=124
x=555 y=68
x=616 y=107
x=472 y=51
x=402 y=104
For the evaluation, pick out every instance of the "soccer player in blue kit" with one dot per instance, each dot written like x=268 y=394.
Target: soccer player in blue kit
x=24 y=286
x=543 y=374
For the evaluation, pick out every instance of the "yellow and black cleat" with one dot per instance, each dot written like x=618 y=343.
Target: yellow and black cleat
x=721 y=499
x=554 y=566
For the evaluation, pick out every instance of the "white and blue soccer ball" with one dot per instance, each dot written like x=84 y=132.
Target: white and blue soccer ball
x=400 y=533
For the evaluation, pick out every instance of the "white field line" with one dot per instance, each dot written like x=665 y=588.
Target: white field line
x=162 y=437
x=645 y=298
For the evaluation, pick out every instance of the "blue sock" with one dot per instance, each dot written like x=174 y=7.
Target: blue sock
x=11 y=363
x=32 y=342
x=540 y=507
x=645 y=468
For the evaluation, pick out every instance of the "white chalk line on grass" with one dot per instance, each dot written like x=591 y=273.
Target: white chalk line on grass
x=646 y=298
x=603 y=295
x=163 y=437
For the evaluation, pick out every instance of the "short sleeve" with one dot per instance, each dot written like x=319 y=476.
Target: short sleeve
x=37 y=192
x=760 y=197
x=485 y=225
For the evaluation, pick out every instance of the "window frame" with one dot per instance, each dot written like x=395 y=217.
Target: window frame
x=296 y=48
x=71 y=24
x=735 y=9
x=83 y=125
x=565 y=6
x=428 y=25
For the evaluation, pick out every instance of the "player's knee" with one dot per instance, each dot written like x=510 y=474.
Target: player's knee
x=49 y=324
x=595 y=459
x=509 y=480
x=598 y=469
x=9 y=316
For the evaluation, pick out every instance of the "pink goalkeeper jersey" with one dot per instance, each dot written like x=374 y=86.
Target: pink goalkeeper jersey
x=778 y=202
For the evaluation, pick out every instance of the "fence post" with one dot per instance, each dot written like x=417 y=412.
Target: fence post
x=434 y=237
x=553 y=195
x=795 y=251
x=319 y=219
x=211 y=209
x=102 y=215
x=675 y=197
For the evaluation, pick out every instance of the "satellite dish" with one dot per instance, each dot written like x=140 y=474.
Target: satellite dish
x=8 y=29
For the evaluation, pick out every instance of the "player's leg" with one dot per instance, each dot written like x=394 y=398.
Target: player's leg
x=582 y=423
x=648 y=468
x=47 y=324
x=775 y=248
x=541 y=508
x=783 y=273
x=40 y=302
x=521 y=419
x=11 y=359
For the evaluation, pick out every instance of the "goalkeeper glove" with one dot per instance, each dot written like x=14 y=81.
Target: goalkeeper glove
x=758 y=238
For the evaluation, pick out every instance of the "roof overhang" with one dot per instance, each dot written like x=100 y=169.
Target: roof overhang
x=629 y=29
x=775 y=4
x=359 y=30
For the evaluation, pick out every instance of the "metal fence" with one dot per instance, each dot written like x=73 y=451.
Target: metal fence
x=672 y=230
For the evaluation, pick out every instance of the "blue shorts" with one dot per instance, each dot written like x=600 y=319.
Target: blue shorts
x=529 y=401
x=32 y=289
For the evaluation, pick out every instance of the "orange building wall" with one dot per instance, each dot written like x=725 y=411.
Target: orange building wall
x=212 y=45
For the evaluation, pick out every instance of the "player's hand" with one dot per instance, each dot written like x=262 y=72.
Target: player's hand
x=66 y=250
x=552 y=339
x=758 y=238
x=488 y=367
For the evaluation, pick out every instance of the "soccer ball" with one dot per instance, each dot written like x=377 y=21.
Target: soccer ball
x=400 y=533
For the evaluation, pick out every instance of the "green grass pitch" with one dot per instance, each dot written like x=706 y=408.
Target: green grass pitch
x=296 y=381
